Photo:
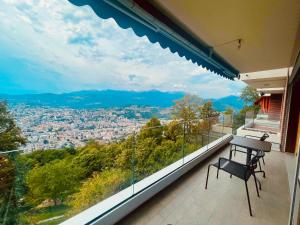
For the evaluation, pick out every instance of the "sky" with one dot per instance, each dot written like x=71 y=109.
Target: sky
x=54 y=46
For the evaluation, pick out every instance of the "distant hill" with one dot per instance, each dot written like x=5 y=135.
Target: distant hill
x=112 y=98
x=231 y=101
x=97 y=99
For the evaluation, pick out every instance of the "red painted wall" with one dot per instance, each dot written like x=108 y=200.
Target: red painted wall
x=275 y=106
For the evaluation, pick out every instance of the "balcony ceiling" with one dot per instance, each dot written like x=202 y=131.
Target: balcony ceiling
x=268 y=81
x=268 y=29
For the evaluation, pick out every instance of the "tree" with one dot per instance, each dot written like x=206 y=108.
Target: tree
x=100 y=186
x=10 y=139
x=41 y=157
x=152 y=129
x=208 y=115
x=206 y=111
x=164 y=154
x=97 y=157
x=144 y=148
x=125 y=159
x=7 y=171
x=185 y=110
x=55 y=180
x=173 y=130
x=10 y=135
x=249 y=95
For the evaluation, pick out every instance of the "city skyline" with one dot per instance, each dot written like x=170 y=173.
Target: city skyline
x=56 y=47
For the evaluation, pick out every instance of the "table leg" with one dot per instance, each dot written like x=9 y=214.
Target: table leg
x=249 y=152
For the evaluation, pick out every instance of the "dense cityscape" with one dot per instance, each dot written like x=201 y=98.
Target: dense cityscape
x=56 y=128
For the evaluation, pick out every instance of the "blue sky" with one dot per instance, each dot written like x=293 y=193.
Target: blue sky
x=54 y=46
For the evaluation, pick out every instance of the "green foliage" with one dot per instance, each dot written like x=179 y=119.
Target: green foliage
x=165 y=153
x=207 y=111
x=249 y=95
x=173 y=130
x=55 y=180
x=152 y=129
x=7 y=174
x=144 y=148
x=96 y=157
x=42 y=157
x=10 y=139
x=10 y=134
x=124 y=159
x=239 y=119
x=7 y=196
x=229 y=111
x=98 y=187
x=185 y=109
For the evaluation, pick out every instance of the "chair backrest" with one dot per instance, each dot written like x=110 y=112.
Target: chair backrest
x=264 y=137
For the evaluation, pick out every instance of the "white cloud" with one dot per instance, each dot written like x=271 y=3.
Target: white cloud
x=94 y=53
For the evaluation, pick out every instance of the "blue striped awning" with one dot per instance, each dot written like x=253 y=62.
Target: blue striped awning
x=146 y=20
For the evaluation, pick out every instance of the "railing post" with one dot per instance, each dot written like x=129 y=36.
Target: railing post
x=232 y=123
x=133 y=161
x=223 y=122
x=183 y=142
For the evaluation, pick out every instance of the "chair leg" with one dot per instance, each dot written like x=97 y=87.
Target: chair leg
x=259 y=165
x=207 y=176
x=234 y=150
x=218 y=173
x=259 y=184
x=249 y=204
x=263 y=160
x=255 y=180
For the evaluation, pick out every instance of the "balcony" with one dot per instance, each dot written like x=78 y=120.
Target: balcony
x=187 y=202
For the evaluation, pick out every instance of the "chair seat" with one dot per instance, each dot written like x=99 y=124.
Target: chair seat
x=234 y=168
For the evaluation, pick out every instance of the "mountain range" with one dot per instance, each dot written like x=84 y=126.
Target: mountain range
x=112 y=98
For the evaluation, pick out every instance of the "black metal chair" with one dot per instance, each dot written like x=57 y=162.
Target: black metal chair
x=239 y=170
x=260 y=154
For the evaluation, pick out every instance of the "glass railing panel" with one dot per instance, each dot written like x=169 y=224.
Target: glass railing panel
x=216 y=122
x=238 y=121
x=268 y=122
x=156 y=147
x=262 y=121
x=57 y=184
x=195 y=137
x=227 y=123
x=249 y=119
x=203 y=132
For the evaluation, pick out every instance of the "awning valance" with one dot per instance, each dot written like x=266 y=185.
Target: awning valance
x=142 y=17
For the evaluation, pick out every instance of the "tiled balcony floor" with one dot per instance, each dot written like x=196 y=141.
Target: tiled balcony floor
x=186 y=202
